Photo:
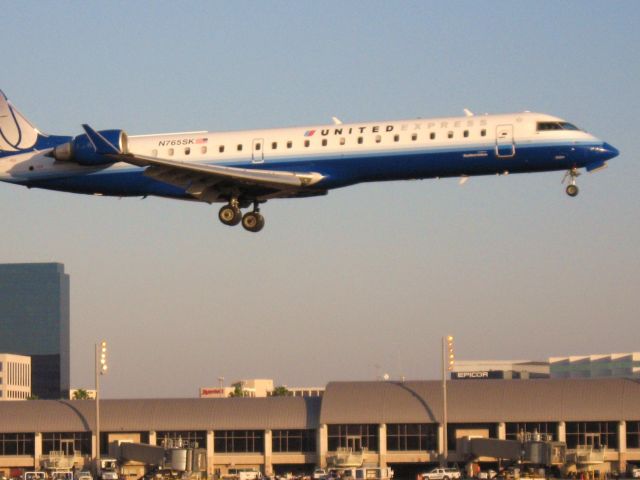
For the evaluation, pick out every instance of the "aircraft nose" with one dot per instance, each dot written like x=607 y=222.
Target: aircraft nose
x=609 y=151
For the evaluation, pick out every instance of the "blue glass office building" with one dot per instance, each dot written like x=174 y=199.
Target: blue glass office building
x=34 y=321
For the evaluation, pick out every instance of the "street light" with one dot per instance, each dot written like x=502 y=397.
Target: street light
x=447 y=365
x=101 y=369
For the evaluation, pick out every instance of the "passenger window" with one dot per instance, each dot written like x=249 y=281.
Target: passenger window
x=414 y=137
x=360 y=140
x=240 y=147
x=203 y=149
x=432 y=135
x=258 y=146
x=289 y=144
x=378 y=138
x=274 y=145
x=307 y=143
x=187 y=150
x=396 y=138
x=324 y=142
x=450 y=134
x=221 y=148
x=465 y=133
x=171 y=152
x=483 y=132
x=342 y=141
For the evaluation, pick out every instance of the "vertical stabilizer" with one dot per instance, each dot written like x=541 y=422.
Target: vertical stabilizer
x=16 y=133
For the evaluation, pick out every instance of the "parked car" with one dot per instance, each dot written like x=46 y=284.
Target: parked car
x=487 y=475
x=319 y=474
x=442 y=474
x=84 y=476
x=34 y=476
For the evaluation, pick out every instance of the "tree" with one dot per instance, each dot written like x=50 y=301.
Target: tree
x=238 y=391
x=280 y=391
x=81 y=394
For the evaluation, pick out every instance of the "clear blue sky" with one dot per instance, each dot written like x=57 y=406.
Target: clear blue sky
x=365 y=280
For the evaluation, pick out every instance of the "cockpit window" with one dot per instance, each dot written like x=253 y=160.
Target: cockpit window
x=556 y=126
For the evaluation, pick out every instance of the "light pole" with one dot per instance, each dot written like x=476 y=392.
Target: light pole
x=101 y=369
x=447 y=365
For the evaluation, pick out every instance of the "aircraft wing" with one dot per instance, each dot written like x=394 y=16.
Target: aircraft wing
x=210 y=182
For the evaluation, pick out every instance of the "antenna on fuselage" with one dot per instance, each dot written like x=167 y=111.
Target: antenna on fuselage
x=336 y=121
x=468 y=112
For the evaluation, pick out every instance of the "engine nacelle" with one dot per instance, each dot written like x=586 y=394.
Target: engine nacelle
x=81 y=151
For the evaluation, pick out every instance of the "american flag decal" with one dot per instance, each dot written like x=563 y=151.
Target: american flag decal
x=309 y=133
x=201 y=140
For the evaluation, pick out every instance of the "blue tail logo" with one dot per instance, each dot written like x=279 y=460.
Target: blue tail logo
x=16 y=133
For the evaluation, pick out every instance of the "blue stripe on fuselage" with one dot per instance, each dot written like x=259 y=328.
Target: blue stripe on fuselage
x=342 y=170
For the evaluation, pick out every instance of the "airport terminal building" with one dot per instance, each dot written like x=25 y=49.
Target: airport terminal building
x=399 y=424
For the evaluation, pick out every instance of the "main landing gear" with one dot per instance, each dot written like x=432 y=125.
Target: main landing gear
x=231 y=215
x=572 y=189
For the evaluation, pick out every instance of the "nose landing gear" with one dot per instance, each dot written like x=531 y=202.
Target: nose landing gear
x=572 y=189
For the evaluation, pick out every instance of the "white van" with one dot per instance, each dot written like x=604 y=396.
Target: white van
x=245 y=473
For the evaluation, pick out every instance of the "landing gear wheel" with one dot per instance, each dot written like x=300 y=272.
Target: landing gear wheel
x=570 y=177
x=572 y=190
x=230 y=215
x=253 y=221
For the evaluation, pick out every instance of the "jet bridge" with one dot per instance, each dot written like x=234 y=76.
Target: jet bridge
x=532 y=450
x=183 y=458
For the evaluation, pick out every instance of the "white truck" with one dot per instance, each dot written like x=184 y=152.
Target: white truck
x=108 y=469
x=442 y=474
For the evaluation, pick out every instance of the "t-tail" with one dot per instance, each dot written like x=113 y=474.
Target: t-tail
x=18 y=135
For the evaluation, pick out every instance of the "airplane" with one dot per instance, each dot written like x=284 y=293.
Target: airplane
x=245 y=169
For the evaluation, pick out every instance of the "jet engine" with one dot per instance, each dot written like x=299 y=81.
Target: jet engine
x=82 y=150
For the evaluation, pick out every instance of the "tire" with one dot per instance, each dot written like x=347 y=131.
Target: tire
x=253 y=222
x=572 y=190
x=230 y=215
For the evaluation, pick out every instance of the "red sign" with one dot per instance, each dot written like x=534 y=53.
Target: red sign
x=211 y=392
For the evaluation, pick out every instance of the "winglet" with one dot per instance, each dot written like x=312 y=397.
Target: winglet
x=101 y=144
